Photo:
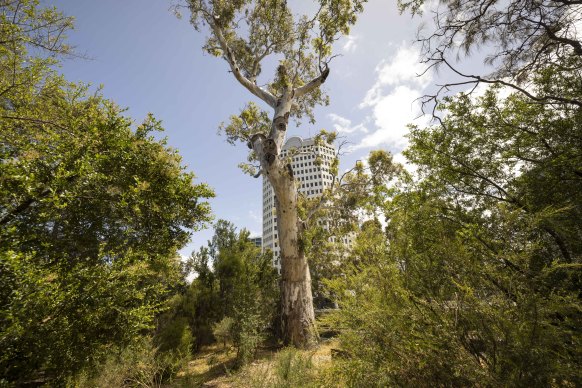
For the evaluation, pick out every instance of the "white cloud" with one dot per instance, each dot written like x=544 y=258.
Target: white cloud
x=393 y=100
x=391 y=114
x=256 y=219
x=428 y=6
x=403 y=68
x=343 y=125
x=351 y=44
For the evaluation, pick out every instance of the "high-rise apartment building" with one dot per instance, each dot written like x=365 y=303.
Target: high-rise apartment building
x=311 y=177
x=258 y=241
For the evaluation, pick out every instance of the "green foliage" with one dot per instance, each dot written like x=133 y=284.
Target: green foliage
x=200 y=303
x=92 y=212
x=248 y=292
x=476 y=279
x=138 y=365
x=288 y=368
x=234 y=296
x=26 y=26
x=338 y=215
x=223 y=330
x=251 y=120
x=175 y=336
x=293 y=369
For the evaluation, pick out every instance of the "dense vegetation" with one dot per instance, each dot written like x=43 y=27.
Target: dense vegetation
x=475 y=280
x=464 y=272
x=233 y=298
x=92 y=212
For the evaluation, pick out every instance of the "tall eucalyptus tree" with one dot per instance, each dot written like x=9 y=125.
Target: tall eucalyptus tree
x=246 y=34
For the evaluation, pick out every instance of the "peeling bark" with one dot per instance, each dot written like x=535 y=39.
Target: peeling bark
x=297 y=314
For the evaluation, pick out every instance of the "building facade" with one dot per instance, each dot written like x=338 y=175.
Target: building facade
x=258 y=241
x=311 y=168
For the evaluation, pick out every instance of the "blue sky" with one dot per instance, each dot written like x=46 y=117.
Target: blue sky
x=149 y=61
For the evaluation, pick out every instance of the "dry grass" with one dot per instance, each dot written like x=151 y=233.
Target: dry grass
x=213 y=367
x=211 y=363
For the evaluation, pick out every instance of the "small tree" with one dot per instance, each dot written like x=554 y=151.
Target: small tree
x=234 y=296
x=247 y=288
x=223 y=331
x=245 y=33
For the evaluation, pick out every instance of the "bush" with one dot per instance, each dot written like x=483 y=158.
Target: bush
x=234 y=296
x=223 y=330
x=290 y=368
x=293 y=369
x=175 y=336
x=248 y=333
x=138 y=365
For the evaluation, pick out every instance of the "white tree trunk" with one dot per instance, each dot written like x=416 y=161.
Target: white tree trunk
x=297 y=314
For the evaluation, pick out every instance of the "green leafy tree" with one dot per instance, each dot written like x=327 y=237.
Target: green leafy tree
x=249 y=293
x=247 y=35
x=477 y=279
x=200 y=303
x=352 y=204
x=92 y=211
x=234 y=295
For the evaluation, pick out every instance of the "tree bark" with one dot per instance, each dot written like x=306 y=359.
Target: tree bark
x=297 y=314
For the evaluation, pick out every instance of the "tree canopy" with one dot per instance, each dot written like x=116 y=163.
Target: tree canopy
x=92 y=211
x=516 y=38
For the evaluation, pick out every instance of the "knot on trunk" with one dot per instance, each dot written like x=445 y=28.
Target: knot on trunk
x=270 y=150
x=254 y=138
x=269 y=158
x=281 y=122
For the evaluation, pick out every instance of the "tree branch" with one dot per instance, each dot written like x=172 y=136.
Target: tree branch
x=244 y=81
x=314 y=83
x=476 y=79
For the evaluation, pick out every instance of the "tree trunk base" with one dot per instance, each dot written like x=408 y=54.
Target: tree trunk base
x=297 y=315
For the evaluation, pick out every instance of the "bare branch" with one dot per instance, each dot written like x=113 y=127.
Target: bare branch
x=314 y=83
x=244 y=81
x=476 y=80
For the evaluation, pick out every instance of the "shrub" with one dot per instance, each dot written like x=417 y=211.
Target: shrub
x=293 y=369
x=223 y=330
x=175 y=336
x=138 y=365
